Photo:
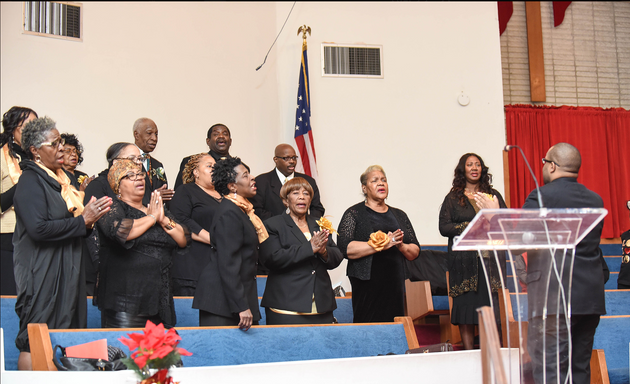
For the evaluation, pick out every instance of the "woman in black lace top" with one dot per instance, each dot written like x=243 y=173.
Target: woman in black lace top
x=467 y=284
x=136 y=243
x=376 y=238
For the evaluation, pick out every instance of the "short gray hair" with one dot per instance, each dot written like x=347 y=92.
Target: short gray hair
x=35 y=132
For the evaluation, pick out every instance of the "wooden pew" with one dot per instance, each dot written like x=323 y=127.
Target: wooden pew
x=263 y=343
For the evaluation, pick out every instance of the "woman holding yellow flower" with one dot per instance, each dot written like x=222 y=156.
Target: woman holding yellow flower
x=298 y=254
x=472 y=186
x=376 y=239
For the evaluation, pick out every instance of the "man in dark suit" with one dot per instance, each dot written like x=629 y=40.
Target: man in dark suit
x=145 y=134
x=267 y=202
x=219 y=141
x=561 y=190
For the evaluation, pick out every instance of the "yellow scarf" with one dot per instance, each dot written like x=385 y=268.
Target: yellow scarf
x=12 y=163
x=72 y=197
x=248 y=208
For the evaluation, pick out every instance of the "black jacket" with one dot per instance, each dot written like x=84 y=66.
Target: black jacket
x=295 y=273
x=267 y=202
x=587 y=293
x=227 y=285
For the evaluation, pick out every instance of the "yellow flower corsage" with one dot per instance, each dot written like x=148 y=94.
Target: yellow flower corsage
x=324 y=223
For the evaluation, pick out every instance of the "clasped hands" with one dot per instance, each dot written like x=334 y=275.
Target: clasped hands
x=155 y=209
x=319 y=241
x=485 y=201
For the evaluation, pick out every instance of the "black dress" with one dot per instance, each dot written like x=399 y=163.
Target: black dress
x=378 y=280
x=467 y=283
x=134 y=275
x=47 y=256
x=194 y=208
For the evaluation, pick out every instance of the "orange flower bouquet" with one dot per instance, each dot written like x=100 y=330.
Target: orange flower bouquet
x=155 y=349
x=378 y=240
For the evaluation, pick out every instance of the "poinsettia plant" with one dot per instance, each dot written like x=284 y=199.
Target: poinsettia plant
x=155 y=348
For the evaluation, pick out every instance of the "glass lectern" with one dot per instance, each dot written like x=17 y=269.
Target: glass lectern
x=551 y=235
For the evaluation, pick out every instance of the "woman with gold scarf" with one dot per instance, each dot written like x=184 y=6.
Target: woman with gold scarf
x=51 y=221
x=13 y=121
x=226 y=293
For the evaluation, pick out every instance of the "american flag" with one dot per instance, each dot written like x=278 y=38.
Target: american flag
x=303 y=132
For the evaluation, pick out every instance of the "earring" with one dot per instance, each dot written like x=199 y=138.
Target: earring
x=288 y=210
x=38 y=159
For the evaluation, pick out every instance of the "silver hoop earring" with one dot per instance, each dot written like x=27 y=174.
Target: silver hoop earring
x=288 y=211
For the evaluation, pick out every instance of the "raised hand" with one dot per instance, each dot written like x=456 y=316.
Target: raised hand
x=95 y=209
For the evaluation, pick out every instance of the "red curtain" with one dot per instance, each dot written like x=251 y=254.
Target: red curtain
x=601 y=135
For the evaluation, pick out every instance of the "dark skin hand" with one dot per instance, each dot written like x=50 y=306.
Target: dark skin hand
x=166 y=194
x=95 y=209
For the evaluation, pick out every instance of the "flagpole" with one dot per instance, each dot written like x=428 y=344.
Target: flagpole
x=303 y=129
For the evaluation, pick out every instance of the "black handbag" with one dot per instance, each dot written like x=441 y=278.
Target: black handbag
x=115 y=363
x=442 y=347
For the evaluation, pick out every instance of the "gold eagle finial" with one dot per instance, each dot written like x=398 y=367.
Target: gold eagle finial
x=304 y=30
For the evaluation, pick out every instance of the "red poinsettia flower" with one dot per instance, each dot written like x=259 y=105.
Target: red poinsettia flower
x=153 y=345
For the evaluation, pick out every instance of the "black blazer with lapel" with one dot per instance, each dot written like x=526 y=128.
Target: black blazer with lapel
x=227 y=285
x=267 y=202
x=295 y=273
x=152 y=180
x=587 y=293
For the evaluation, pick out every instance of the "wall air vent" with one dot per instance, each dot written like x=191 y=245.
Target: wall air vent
x=340 y=60
x=53 y=19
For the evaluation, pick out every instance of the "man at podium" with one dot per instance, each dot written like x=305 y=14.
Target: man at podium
x=561 y=190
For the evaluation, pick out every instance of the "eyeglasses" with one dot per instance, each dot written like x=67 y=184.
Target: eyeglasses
x=545 y=161
x=136 y=159
x=71 y=151
x=287 y=158
x=134 y=176
x=55 y=143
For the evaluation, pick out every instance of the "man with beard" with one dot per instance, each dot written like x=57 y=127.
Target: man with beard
x=219 y=141
x=145 y=134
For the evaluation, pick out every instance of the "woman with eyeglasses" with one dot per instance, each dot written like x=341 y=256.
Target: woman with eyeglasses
x=13 y=121
x=194 y=205
x=135 y=248
x=226 y=294
x=51 y=222
x=467 y=283
x=72 y=156
x=118 y=151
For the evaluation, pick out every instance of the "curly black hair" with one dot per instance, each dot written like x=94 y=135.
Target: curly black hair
x=459 y=181
x=74 y=141
x=224 y=174
x=12 y=119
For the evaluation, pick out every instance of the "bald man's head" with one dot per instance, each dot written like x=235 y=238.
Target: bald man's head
x=285 y=159
x=145 y=134
x=567 y=156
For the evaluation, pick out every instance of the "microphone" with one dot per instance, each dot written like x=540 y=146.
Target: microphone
x=507 y=148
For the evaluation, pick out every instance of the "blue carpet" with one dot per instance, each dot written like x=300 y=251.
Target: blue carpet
x=613 y=262
x=611 y=249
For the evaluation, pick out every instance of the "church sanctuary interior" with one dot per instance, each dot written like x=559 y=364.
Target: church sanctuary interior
x=408 y=86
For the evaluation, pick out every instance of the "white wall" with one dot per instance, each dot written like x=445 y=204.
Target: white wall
x=189 y=65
